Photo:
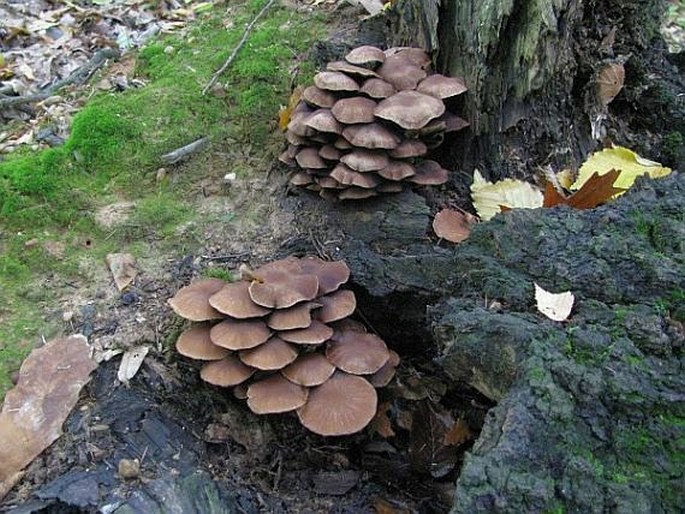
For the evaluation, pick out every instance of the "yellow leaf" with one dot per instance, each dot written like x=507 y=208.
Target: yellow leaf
x=556 y=306
x=630 y=164
x=488 y=198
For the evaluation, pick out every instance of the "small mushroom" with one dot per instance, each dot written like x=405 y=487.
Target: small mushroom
x=409 y=148
x=227 y=372
x=324 y=121
x=453 y=225
x=357 y=109
x=377 y=89
x=234 y=300
x=282 y=288
x=275 y=394
x=410 y=109
x=272 y=355
x=196 y=344
x=441 y=87
x=365 y=160
x=383 y=376
x=336 y=306
x=309 y=157
x=192 y=301
x=309 y=370
x=349 y=177
x=342 y=405
x=329 y=152
x=331 y=274
x=366 y=55
x=318 y=97
x=356 y=353
x=429 y=173
x=356 y=193
x=371 y=135
x=314 y=334
x=239 y=334
x=350 y=69
x=300 y=178
x=297 y=316
x=335 y=81
x=397 y=170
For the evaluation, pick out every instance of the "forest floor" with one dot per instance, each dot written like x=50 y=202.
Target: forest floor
x=106 y=190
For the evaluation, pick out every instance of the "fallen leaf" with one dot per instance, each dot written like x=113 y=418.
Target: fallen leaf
x=458 y=434
x=50 y=380
x=488 y=197
x=285 y=113
x=630 y=165
x=382 y=506
x=556 y=306
x=595 y=191
x=453 y=225
x=428 y=452
x=381 y=423
x=131 y=362
x=123 y=268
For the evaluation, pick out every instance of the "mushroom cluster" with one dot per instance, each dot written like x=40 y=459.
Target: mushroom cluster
x=367 y=123
x=283 y=339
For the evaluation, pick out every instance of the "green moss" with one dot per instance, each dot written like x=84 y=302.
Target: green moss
x=221 y=273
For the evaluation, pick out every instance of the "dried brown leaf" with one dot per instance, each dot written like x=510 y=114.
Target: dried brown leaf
x=595 y=191
x=50 y=381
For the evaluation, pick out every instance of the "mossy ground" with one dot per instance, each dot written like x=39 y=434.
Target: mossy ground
x=48 y=198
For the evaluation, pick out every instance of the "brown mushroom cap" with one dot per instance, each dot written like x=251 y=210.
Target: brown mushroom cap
x=234 y=300
x=403 y=75
x=336 y=306
x=397 y=170
x=347 y=176
x=377 y=88
x=356 y=353
x=342 y=405
x=383 y=376
x=284 y=288
x=342 y=144
x=331 y=274
x=329 y=183
x=275 y=394
x=288 y=155
x=309 y=370
x=429 y=173
x=239 y=334
x=347 y=325
x=350 y=69
x=441 y=87
x=357 y=109
x=274 y=354
x=297 y=124
x=371 y=135
x=365 y=160
x=409 y=148
x=227 y=372
x=196 y=344
x=300 y=178
x=335 y=81
x=308 y=157
x=329 y=152
x=365 y=54
x=192 y=301
x=410 y=109
x=324 y=121
x=294 y=139
x=316 y=333
x=298 y=316
x=453 y=225
x=412 y=55
x=318 y=97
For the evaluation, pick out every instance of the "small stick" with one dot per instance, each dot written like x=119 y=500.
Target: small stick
x=233 y=55
x=184 y=151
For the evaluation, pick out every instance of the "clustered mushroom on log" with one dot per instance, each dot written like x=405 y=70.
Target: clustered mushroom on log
x=283 y=339
x=368 y=122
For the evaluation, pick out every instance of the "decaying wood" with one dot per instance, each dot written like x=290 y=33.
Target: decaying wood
x=235 y=51
x=184 y=151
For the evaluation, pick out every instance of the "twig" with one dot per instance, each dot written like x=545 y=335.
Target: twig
x=184 y=151
x=79 y=76
x=235 y=51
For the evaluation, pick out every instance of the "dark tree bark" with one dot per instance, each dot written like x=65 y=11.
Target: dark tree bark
x=531 y=68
